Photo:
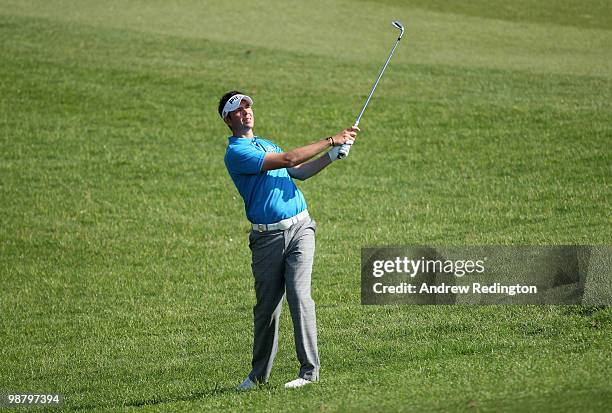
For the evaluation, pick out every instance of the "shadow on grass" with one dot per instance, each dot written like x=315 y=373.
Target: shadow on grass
x=583 y=310
x=155 y=401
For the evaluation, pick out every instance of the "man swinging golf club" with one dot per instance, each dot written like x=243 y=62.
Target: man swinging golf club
x=282 y=240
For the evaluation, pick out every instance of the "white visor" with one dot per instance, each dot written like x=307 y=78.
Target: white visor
x=234 y=103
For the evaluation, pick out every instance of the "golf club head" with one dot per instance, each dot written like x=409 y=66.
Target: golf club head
x=398 y=25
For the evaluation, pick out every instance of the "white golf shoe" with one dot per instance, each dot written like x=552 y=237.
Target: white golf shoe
x=247 y=384
x=299 y=382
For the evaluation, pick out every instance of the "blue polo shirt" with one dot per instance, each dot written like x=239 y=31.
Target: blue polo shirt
x=269 y=196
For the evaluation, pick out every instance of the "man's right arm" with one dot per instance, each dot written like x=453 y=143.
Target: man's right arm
x=302 y=154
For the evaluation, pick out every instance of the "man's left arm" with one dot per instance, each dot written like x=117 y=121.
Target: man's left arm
x=313 y=167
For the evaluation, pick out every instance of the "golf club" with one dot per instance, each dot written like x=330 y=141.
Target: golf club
x=344 y=150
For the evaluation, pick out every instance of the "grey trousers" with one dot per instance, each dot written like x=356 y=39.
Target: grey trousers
x=282 y=264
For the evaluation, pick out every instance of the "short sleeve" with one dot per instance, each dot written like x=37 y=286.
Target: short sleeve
x=244 y=159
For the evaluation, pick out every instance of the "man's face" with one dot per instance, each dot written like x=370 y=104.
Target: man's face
x=242 y=118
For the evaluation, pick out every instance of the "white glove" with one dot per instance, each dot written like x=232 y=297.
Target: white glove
x=335 y=151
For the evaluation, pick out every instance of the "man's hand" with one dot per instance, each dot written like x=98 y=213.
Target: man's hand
x=348 y=134
x=333 y=152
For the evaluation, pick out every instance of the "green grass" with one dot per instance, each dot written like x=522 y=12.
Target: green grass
x=584 y=14
x=124 y=265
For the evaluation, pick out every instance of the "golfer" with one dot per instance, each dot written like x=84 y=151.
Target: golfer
x=282 y=239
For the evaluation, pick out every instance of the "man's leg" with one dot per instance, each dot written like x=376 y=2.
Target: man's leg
x=267 y=250
x=299 y=258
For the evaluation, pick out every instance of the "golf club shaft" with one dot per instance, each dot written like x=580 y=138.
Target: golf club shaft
x=344 y=150
x=376 y=83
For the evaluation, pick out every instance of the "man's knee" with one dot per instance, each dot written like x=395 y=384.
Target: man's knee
x=300 y=300
x=268 y=307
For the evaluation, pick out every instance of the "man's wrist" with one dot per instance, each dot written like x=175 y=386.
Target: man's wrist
x=330 y=139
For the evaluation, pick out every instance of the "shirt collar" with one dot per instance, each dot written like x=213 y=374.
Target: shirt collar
x=236 y=139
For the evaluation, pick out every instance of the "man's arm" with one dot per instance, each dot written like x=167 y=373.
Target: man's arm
x=302 y=154
x=313 y=167
x=310 y=168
